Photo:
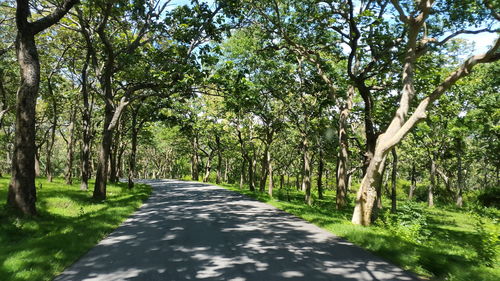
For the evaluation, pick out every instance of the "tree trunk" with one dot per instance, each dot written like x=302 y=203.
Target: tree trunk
x=367 y=193
x=242 y=172
x=3 y=98
x=194 y=159
x=69 y=168
x=320 y=174
x=113 y=156
x=394 y=175
x=133 y=153
x=343 y=154
x=226 y=170
x=379 y=205
x=251 y=178
x=208 y=168
x=102 y=166
x=50 y=143
x=306 y=180
x=254 y=163
x=219 y=160
x=413 y=184
x=264 y=170
x=119 y=162
x=270 y=172
x=22 y=191
x=86 y=127
x=460 y=176
x=432 y=186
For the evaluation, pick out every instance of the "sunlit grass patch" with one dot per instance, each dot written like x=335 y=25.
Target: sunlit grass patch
x=68 y=225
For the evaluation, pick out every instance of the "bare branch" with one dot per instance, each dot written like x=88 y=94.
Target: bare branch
x=402 y=15
x=47 y=21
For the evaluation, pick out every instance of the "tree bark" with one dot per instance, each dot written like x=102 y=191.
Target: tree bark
x=70 y=144
x=413 y=182
x=251 y=176
x=37 y=163
x=194 y=159
x=242 y=173
x=114 y=155
x=270 y=172
x=394 y=175
x=50 y=143
x=460 y=175
x=87 y=109
x=306 y=180
x=297 y=181
x=432 y=186
x=22 y=191
x=264 y=169
x=103 y=161
x=133 y=153
x=219 y=160
x=343 y=154
x=4 y=108
x=367 y=194
x=208 y=167
x=226 y=170
x=320 y=174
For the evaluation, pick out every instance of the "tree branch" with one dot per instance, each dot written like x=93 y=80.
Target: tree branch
x=47 y=21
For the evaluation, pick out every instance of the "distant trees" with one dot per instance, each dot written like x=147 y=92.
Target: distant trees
x=275 y=96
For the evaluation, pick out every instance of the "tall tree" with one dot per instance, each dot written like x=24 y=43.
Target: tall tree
x=418 y=43
x=22 y=191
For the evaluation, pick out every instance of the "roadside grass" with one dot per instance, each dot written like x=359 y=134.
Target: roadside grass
x=446 y=252
x=68 y=225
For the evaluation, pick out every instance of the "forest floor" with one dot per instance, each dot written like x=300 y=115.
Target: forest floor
x=68 y=225
x=439 y=243
x=195 y=231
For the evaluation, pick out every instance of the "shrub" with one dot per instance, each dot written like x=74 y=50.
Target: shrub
x=487 y=243
x=490 y=197
x=409 y=223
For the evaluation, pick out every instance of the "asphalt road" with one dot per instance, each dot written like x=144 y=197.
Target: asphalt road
x=193 y=231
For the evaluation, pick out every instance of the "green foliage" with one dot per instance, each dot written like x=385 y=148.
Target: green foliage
x=68 y=225
x=409 y=223
x=488 y=243
x=490 y=197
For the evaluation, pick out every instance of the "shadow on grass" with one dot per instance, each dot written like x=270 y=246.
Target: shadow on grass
x=69 y=223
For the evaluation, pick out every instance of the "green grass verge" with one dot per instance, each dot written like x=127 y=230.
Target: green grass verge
x=446 y=253
x=68 y=225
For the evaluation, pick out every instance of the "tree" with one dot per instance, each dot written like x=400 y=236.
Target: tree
x=403 y=120
x=22 y=192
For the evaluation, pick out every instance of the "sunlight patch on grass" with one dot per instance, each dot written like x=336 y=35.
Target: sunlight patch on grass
x=68 y=225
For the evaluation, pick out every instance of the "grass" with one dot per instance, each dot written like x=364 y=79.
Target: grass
x=446 y=252
x=68 y=225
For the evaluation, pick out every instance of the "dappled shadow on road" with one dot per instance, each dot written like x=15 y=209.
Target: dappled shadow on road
x=193 y=231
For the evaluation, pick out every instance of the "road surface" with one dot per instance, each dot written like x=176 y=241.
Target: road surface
x=194 y=231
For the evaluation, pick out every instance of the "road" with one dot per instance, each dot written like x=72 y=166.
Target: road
x=194 y=231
